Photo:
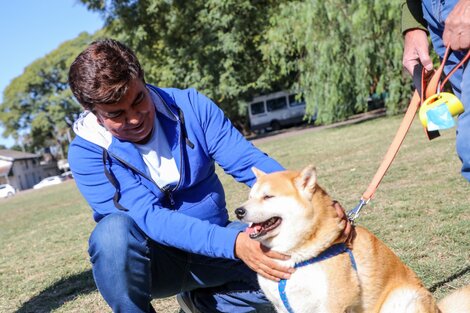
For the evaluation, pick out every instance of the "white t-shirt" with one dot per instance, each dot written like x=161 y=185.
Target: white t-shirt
x=161 y=165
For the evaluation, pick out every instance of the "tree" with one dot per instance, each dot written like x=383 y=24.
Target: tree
x=211 y=45
x=38 y=101
x=343 y=51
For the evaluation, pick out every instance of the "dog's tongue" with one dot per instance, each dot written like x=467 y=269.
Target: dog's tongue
x=254 y=228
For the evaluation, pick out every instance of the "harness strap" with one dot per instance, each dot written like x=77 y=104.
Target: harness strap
x=328 y=253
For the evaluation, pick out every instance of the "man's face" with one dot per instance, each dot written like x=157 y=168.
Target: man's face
x=132 y=118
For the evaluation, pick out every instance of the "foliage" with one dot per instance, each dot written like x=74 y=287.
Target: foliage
x=36 y=104
x=337 y=53
x=210 y=45
x=344 y=51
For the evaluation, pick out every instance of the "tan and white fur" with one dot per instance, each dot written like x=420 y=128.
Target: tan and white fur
x=290 y=213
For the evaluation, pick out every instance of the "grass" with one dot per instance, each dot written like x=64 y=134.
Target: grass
x=420 y=210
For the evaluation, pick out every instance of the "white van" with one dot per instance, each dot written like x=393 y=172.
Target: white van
x=275 y=110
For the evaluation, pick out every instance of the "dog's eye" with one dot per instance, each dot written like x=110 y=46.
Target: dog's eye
x=266 y=197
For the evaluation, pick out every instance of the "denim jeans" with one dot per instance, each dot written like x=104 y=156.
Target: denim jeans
x=435 y=12
x=129 y=270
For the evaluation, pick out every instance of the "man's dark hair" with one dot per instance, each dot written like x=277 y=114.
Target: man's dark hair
x=102 y=72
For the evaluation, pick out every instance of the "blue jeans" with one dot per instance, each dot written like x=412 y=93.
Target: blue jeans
x=129 y=270
x=435 y=12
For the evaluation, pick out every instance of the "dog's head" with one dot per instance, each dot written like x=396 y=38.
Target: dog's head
x=285 y=209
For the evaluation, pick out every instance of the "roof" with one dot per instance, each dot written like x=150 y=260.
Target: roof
x=12 y=155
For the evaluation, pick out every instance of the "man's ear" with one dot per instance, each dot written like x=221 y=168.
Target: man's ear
x=307 y=180
x=258 y=173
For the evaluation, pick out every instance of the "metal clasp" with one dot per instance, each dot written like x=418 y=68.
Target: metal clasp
x=354 y=213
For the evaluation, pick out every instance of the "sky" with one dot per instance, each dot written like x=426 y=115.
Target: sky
x=30 y=29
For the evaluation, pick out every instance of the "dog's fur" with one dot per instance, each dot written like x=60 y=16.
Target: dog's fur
x=306 y=224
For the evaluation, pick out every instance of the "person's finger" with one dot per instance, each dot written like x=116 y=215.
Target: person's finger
x=268 y=261
x=275 y=255
x=409 y=65
x=425 y=59
x=268 y=276
x=274 y=271
x=446 y=36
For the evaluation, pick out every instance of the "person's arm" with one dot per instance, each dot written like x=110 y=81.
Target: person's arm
x=457 y=27
x=157 y=222
x=226 y=145
x=412 y=16
x=237 y=156
x=416 y=46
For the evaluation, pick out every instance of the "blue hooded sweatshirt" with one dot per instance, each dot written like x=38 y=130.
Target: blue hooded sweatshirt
x=191 y=215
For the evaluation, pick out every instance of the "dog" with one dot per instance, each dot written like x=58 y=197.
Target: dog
x=290 y=213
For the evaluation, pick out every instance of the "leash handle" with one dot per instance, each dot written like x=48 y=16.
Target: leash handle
x=465 y=58
x=433 y=84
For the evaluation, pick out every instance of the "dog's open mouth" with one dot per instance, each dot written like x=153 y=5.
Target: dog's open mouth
x=256 y=230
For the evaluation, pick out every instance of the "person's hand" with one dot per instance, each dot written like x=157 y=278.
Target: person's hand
x=457 y=27
x=416 y=50
x=260 y=259
x=349 y=232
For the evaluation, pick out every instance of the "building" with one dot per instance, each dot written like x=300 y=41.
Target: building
x=23 y=170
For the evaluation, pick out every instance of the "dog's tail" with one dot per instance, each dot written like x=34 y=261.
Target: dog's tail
x=456 y=302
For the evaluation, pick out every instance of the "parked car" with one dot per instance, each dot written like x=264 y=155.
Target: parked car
x=48 y=181
x=66 y=175
x=276 y=110
x=6 y=191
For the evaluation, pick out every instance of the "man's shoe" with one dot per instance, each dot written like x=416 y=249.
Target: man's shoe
x=186 y=303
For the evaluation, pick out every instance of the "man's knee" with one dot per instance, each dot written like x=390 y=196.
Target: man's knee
x=113 y=238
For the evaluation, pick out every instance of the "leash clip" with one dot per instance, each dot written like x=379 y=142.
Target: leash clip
x=354 y=213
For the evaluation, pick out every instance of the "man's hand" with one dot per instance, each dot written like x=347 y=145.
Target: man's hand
x=416 y=50
x=349 y=232
x=260 y=259
x=457 y=27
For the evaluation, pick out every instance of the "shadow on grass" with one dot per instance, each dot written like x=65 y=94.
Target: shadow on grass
x=441 y=283
x=59 y=293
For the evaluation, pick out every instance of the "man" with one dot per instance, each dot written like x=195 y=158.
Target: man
x=144 y=159
x=448 y=23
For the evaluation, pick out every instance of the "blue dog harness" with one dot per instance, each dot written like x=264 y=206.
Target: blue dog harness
x=328 y=253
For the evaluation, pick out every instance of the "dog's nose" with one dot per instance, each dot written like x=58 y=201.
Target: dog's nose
x=240 y=212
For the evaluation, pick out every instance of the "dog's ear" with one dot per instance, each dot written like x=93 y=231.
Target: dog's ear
x=307 y=180
x=258 y=173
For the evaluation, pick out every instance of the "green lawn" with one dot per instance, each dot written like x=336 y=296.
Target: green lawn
x=421 y=210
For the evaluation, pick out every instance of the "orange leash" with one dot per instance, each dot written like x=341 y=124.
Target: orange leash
x=417 y=99
x=394 y=146
x=389 y=156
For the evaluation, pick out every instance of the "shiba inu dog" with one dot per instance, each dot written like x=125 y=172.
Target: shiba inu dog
x=290 y=213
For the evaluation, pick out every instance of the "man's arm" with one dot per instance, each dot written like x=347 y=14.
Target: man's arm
x=416 y=47
x=237 y=156
x=157 y=222
x=226 y=145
